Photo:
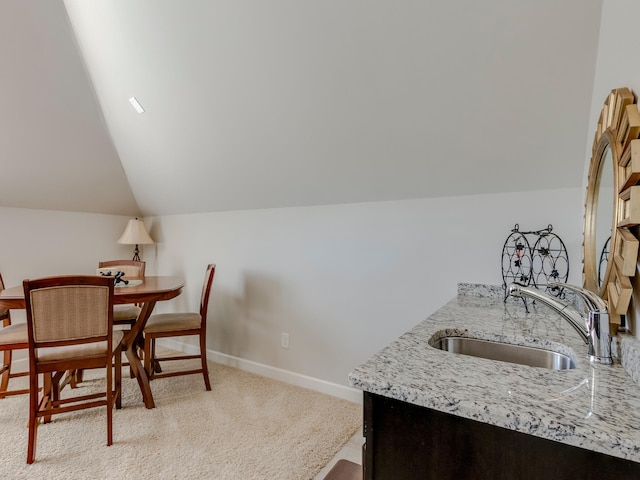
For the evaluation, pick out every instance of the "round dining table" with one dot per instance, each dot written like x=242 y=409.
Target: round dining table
x=152 y=289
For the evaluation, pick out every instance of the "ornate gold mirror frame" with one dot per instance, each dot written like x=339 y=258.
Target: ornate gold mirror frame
x=616 y=137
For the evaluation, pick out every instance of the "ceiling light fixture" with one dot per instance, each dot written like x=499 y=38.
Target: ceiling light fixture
x=135 y=104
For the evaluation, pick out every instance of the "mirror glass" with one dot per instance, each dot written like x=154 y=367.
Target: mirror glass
x=600 y=234
x=604 y=212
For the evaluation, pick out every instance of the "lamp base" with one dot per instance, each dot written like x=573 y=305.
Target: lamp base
x=136 y=254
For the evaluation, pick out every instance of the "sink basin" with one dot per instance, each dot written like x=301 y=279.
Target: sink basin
x=505 y=352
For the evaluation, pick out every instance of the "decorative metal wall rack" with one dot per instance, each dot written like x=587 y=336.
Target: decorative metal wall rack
x=535 y=266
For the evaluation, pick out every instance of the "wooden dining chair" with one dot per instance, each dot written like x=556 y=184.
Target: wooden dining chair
x=70 y=326
x=162 y=325
x=133 y=270
x=12 y=337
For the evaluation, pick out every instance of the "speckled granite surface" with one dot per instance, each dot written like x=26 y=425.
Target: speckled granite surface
x=630 y=356
x=592 y=407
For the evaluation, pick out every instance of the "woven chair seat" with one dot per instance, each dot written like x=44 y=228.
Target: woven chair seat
x=170 y=322
x=125 y=312
x=86 y=350
x=16 y=333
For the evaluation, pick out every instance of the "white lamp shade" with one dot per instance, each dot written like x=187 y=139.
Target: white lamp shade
x=135 y=234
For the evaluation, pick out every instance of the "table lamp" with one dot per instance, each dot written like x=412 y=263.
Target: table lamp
x=135 y=234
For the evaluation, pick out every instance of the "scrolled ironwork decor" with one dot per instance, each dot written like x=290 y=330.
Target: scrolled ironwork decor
x=547 y=260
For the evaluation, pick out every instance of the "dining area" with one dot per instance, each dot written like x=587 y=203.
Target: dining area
x=253 y=423
x=83 y=330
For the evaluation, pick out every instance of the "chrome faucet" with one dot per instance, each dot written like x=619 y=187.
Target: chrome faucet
x=593 y=328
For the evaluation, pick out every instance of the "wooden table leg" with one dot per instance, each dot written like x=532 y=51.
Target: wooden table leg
x=141 y=375
x=132 y=354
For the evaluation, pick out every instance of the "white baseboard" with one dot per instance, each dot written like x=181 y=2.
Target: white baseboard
x=322 y=386
x=340 y=391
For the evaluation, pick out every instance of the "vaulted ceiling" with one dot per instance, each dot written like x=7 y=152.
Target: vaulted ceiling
x=275 y=103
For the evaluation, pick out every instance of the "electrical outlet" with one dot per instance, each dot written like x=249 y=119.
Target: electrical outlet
x=284 y=340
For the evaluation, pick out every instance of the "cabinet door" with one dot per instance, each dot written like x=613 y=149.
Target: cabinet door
x=408 y=442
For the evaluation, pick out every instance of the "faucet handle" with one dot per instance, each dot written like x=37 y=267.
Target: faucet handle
x=593 y=301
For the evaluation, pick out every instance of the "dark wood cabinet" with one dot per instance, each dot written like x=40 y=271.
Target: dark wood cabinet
x=405 y=441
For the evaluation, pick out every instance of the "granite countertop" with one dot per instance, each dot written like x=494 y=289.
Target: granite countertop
x=592 y=407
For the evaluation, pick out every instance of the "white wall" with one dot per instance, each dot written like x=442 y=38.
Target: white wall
x=617 y=66
x=342 y=280
x=345 y=280
x=36 y=243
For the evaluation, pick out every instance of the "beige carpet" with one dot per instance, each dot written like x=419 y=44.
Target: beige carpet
x=247 y=427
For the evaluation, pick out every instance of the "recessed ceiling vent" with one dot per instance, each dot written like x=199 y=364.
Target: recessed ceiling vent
x=136 y=105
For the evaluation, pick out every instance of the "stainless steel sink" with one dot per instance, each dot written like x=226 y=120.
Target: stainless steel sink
x=505 y=352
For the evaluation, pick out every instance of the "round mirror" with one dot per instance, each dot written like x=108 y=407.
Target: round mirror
x=612 y=208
